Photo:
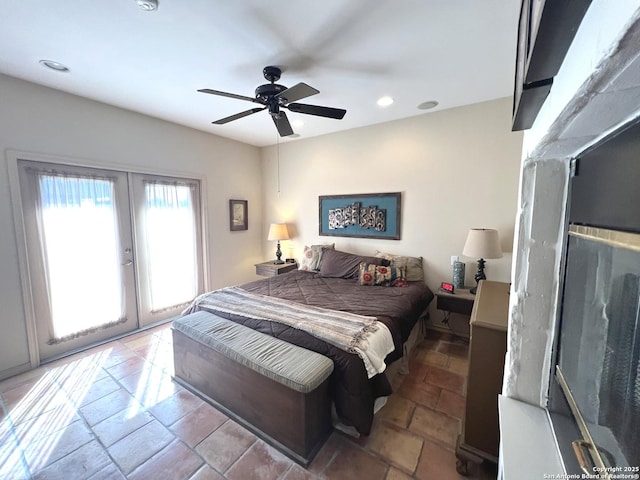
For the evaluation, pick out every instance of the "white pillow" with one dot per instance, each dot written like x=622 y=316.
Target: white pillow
x=312 y=256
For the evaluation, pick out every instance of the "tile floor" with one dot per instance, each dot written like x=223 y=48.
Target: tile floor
x=114 y=412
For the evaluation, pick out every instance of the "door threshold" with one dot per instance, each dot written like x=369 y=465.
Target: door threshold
x=108 y=340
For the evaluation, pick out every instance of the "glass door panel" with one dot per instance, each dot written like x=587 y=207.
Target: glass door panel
x=599 y=344
x=79 y=243
x=168 y=237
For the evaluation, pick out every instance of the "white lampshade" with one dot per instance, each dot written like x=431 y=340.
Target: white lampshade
x=482 y=243
x=278 y=231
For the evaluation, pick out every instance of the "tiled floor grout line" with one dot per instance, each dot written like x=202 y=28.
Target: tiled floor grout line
x=158 y=363
x=106 y=449
x=12 y=432
x=70 y=403
x=194 y=448
x=95 y=437
x=237 y=459
x=26 y=465
x=167 y=427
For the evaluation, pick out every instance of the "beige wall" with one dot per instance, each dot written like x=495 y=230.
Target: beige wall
x=457 y=169
x=48 y=122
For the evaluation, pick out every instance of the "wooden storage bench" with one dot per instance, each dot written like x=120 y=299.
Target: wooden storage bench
x=277 y=390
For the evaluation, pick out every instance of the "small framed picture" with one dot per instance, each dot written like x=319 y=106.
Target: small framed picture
x=238 y=215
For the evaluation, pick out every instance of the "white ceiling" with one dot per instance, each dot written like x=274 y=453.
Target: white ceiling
x=457 y=52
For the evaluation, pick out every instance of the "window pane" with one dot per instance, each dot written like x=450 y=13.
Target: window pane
x=170 y=233
x=599 y=348
x=79 y=234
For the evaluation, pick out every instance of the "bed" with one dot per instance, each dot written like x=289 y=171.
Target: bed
x=339 y=283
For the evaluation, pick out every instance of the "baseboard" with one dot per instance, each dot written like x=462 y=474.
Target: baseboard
x=17 y=370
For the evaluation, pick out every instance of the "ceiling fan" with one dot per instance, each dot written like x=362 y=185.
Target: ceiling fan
x=274 y=97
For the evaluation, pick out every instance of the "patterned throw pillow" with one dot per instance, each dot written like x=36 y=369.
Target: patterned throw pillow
x=412 y=265
x=371 y=274
x=311 y=257
x=367 y=274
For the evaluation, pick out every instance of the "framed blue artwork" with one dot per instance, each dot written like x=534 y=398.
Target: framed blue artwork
x=367 y=215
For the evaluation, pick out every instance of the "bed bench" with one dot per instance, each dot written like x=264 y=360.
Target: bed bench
x=277 y=390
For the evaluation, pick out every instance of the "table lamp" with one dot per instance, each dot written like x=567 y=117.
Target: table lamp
x=482 y=243
x=278 y=231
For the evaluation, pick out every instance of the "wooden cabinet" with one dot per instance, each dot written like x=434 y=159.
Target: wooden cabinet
x=270 y=269
x=480 y=436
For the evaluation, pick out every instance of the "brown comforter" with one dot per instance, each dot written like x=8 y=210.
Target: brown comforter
x=397 y=307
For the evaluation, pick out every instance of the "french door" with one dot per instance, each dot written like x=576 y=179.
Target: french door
x=109 y=251
x=168 y=243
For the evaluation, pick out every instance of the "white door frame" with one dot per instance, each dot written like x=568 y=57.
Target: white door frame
x=21 y=236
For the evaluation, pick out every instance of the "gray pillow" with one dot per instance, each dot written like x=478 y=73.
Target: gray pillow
x=337 y=264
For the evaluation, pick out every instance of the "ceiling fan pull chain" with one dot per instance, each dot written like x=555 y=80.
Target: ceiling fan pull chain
x=278 y=155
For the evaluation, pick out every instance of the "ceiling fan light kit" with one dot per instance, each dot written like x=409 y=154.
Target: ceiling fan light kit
x=273 y=97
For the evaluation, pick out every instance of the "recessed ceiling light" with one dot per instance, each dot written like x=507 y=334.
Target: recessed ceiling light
x=294 y=135
x=385 y=101
x=53 y=65
x=428 y=105
x=148 y=5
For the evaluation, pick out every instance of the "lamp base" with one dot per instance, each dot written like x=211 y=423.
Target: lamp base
x=478 y=276
x=278 y=261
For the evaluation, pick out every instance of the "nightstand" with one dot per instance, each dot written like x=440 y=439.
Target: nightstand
x=270 y=269
x=457 y=308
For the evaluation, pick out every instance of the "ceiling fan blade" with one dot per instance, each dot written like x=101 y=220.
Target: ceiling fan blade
x=282 y=124
x=230 y=95
x=222 y=121
x=337 y=113
x=297 y=92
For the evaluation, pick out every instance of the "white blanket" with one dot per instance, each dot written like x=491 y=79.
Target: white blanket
x=369 y=339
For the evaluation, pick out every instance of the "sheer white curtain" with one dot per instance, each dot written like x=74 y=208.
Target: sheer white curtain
x=171 y=243
x=78 y=226
x=109 y=251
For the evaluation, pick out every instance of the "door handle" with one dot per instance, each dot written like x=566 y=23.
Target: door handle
x=581 y=449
